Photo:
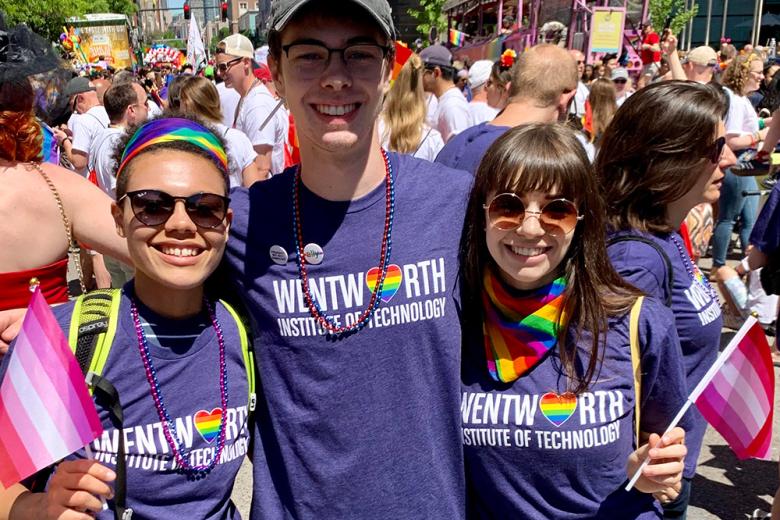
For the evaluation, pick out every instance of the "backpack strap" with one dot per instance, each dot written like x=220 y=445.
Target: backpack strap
x=661 y=252
x=92 y=329
x=636 y=360
x=247 y=351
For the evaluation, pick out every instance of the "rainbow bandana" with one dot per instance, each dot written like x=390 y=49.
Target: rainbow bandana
x=519 y=330
x=170 y=129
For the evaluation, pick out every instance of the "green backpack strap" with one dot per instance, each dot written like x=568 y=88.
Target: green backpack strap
x=248 y=353
x=93 y=327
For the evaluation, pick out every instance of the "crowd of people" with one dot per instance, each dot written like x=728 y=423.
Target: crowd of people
x=469 y=292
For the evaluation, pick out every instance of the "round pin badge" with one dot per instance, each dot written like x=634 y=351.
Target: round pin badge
x=278 y=255
x=313 y=253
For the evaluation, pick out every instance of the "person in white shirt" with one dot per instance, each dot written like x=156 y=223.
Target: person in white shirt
x=452 y=115
x=262 y=118
x=125 y=105
x=479 y=110
x=198 y=96
x=622 y=84
x=89 y=118
x=577 y=106
x=228 y=101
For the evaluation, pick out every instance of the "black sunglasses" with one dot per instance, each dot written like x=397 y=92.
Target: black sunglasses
x=155 y=207
x=223 y=67
x=620 y=81
x=716 y=150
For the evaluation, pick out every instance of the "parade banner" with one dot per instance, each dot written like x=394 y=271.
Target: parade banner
x=606 y=29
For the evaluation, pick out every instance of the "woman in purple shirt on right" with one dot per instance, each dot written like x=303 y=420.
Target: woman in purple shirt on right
x=663 y=154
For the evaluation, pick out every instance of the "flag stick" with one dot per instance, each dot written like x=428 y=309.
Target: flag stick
x=732 y=346
x=91 y=456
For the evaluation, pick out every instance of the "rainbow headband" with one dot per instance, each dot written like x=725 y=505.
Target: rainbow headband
x=171 y=129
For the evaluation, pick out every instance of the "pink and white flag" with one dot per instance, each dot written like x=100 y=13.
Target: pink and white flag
x=46 y=412
x=737 y=395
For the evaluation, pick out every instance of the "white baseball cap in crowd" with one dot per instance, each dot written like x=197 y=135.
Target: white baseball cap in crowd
x=479 y=73
x=238 y=45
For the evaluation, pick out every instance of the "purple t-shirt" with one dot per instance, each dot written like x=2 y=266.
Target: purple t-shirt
x=366 y=425
x=696 y=312
x=530 y=456
x=766 y=231
x=465 y=150
x=188 y=375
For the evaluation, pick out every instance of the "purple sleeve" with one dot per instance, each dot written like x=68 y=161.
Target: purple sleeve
x=766 y=232
x=641 y=266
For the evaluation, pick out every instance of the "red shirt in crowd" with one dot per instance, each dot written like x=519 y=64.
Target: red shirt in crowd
x=649 y=56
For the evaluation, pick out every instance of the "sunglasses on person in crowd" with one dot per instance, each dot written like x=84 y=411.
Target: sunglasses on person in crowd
x=223 y=67
x=716 y=150
x=155 y=207
x=360 y=59
x=507 y=212
x=620 y=80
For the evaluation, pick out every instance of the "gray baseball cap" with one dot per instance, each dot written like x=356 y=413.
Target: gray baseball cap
x=77 y=85
x=282 y=11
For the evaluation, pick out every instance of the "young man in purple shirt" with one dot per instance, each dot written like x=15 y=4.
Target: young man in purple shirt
x=359 y=414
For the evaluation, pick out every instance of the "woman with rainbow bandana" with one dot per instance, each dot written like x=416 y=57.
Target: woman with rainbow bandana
x=549 y=401
x=176 y=360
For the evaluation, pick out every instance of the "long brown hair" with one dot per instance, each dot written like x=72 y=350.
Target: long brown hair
x=199 y=96
x=603 y=106
x=548 y=157
x=654 y=149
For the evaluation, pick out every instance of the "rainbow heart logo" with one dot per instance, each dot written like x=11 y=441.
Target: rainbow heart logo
x=207 y=423
x=558 y=408
x=392 y=281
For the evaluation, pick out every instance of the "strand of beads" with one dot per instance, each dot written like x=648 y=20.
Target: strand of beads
x=168 y=426
x=327 y=322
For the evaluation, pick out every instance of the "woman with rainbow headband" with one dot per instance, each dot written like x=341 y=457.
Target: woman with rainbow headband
x=176 y=360
x=549 y=399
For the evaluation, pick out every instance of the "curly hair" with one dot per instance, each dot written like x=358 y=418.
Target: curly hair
x=20 y=136
x=20 y=133
x=737 y=73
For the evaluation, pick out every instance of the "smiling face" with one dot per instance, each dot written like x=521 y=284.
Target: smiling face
x=176 y=255
x=528 y=257
x=338 y=107
x=235 y=69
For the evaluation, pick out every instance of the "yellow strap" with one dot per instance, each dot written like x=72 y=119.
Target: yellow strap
x=249 y=359
x=636 y=358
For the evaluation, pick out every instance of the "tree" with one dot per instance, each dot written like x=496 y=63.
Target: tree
x=429 y=15
x=672 y=10
x=47 y=17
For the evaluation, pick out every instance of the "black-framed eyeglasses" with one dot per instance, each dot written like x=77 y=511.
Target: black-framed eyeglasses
x=155 y=207
x=223 y=67
x=716 y=150
x=506 y=212
x=312 y=59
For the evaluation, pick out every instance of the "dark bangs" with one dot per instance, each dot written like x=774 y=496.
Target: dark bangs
x=543 y=157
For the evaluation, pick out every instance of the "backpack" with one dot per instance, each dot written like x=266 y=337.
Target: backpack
x=92 y=329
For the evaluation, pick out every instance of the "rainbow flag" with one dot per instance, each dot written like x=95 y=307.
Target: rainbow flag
x=46 y=412
x=737 y=395
x=402 y=55
x=457 y=38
